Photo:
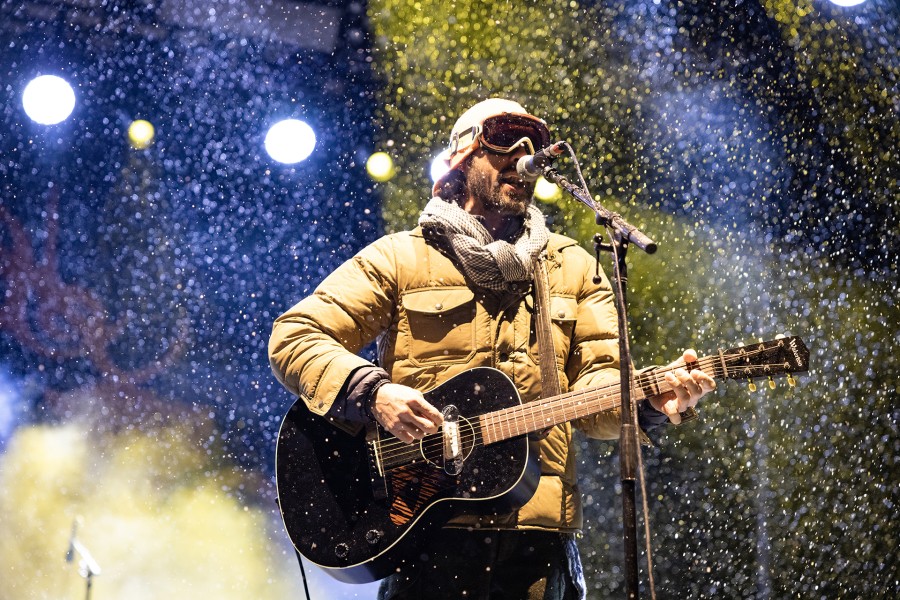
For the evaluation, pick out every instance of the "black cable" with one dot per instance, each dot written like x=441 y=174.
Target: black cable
x=303 y=574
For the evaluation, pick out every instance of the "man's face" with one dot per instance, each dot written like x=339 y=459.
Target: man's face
x=495 y=186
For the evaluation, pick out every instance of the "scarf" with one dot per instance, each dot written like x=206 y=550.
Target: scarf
x=493 y=264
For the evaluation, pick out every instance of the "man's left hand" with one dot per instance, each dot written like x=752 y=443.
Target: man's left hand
x=687 y=388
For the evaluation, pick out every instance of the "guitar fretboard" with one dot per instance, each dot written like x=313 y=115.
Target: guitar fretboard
x=540 y=414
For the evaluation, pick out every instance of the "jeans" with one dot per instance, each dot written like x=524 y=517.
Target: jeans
x=486 y=565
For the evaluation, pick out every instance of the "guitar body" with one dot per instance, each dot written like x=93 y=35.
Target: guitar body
x=359 y=505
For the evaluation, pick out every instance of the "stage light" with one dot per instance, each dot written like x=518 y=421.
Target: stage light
x=847 y=2
x=546 y=191
x=48 y=99
x=440 y=165
x=380 y=166
x=140 y=134
x=290 y=141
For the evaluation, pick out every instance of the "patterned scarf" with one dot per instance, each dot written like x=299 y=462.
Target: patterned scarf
x=493 y=264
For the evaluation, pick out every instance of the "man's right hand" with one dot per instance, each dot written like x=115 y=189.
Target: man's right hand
x=404 y=412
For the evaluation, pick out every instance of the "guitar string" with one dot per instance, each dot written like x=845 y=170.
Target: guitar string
x=514 y=415
x=511 y=417
x=394 y=450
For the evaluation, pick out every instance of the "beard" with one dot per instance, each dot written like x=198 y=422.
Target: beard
x=495 y=198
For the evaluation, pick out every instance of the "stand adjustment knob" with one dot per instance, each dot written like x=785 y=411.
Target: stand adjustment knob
x=342 y=550
x=373 y=536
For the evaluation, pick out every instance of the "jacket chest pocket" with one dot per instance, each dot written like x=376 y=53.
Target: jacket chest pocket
x=440 y=325
x=562 y=316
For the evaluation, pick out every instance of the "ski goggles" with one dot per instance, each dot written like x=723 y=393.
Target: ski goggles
x=502 y=134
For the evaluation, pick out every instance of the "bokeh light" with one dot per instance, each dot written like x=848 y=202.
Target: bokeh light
x=380 y=166
x=48 y=99
x=847 y=2
x=546 y=191
x=440 y=165
x=141 y=134
x=290 y=141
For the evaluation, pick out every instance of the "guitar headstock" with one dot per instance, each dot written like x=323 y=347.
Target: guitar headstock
x=765 y=359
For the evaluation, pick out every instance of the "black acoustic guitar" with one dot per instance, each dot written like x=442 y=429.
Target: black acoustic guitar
x=358 y=505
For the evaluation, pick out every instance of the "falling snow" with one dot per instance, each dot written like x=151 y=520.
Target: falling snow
x=755 y=140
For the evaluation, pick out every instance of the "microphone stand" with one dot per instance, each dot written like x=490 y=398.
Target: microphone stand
x=87 y=566
x=621 y=234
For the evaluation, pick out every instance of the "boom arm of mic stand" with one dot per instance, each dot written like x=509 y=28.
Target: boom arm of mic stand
x=627 y=231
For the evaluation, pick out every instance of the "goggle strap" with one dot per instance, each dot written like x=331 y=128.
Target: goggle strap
x=474 y=131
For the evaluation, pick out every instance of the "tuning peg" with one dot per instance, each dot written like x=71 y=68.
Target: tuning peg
x=771 y=383
x=751 y=385
x=791 y=381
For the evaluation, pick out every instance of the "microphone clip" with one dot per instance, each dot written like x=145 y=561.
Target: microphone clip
x=530 y=167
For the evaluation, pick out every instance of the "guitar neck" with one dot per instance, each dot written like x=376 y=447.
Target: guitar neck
x=540 y=414
x=766 y=359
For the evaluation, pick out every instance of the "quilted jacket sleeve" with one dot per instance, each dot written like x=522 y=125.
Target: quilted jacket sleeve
x=314 y=345
x=594 y=353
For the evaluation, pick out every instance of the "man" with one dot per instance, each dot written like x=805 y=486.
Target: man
x=453 y=294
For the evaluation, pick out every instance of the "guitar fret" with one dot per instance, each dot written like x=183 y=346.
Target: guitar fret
x=492 y=428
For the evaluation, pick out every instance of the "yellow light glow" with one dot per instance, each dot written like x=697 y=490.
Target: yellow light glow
x=141 y=134
x=380 y=166
x=154 y=484
x=546 y=191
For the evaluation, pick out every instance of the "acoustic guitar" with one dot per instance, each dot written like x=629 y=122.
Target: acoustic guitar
x=359 y=505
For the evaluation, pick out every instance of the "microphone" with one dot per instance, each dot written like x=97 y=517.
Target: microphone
x=529 y=167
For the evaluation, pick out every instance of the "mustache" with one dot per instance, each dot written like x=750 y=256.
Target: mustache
x=512 y=176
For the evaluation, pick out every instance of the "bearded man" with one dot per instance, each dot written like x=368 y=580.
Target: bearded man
x=455 y=293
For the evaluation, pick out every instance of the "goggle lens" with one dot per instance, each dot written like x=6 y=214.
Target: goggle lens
x=504 y=133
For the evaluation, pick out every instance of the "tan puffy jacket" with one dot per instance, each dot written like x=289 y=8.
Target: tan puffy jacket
x=431 y=326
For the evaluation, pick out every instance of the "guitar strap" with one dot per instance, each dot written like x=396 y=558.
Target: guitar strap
x=549 y=375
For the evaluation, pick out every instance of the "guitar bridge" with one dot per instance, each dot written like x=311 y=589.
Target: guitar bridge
x=453 y=453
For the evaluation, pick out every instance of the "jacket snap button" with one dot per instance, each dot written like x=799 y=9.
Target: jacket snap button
x=438 y=306
x=561 y=314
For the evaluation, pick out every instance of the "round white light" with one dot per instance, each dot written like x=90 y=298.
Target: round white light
x=48 y=99
x=847 y=2
x=440 y=165
x=290 y=141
